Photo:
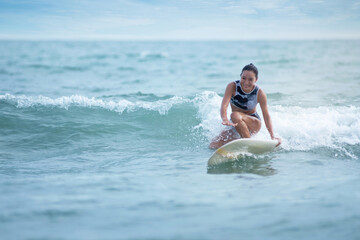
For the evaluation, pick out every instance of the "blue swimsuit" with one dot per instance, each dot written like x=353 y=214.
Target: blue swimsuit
x=245 y=101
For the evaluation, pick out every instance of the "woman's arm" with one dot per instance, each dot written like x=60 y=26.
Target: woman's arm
x=229 y=92
x=264 y=108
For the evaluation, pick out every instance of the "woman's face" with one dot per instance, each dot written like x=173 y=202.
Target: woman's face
x=248 y=80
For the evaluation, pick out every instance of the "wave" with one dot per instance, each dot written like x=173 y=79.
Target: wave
x=301 y=128
x=100 y=56
x=58 y=69
x=66 y=102
x=147 y=55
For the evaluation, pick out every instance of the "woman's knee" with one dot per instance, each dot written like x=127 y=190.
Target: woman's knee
x=236 y=117
x=255 y=126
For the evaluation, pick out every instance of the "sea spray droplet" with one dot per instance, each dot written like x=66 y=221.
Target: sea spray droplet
x=208 y=105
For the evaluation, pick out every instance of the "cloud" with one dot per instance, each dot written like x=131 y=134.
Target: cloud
x=119 y=21
x=356 y=6
x=183 y=19
x=241 y=10
x=316 y=1
x=263 y=8
x=80 y=25
x=268 y=4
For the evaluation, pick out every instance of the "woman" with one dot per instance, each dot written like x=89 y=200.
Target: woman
x=243 y=95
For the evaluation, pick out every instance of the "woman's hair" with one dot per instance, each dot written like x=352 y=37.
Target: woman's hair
x=250 y=67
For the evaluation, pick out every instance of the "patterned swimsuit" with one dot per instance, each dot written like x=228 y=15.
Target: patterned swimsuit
x=245 y=101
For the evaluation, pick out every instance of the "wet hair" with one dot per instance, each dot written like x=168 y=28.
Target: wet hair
x=250 y=67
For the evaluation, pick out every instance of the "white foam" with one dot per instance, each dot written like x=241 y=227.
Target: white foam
x=300 y=128
x=161 y=106
x=306 y=128
x=208 y=104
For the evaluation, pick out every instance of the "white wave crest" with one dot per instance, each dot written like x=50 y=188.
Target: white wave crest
x=161 y=106
x=300 y=128
x=306 y=128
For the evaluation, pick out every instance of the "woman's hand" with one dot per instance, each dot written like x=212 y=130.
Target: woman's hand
x=278 y=139
x=228 y=123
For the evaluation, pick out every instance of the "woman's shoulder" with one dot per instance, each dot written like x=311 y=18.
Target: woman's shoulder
x=232 y=84
x=261 y=95
x=260 y=90
x=231 y=88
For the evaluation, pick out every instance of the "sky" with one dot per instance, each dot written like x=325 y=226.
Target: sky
x=179 y=19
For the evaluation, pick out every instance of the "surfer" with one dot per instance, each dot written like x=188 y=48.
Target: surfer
x=243 y=95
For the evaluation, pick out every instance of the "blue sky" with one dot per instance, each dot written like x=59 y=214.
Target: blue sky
x=179 y=20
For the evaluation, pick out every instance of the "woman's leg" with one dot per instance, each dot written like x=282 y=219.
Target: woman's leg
x=246 y=124
x=227 y=135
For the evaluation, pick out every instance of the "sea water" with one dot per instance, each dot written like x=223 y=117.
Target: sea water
x=109 y=140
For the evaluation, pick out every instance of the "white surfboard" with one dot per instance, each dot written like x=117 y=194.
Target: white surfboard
x=232 y=150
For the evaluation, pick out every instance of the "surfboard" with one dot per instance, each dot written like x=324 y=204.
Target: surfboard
x=232 y=150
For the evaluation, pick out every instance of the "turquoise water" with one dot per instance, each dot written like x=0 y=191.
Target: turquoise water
x=109 y=140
